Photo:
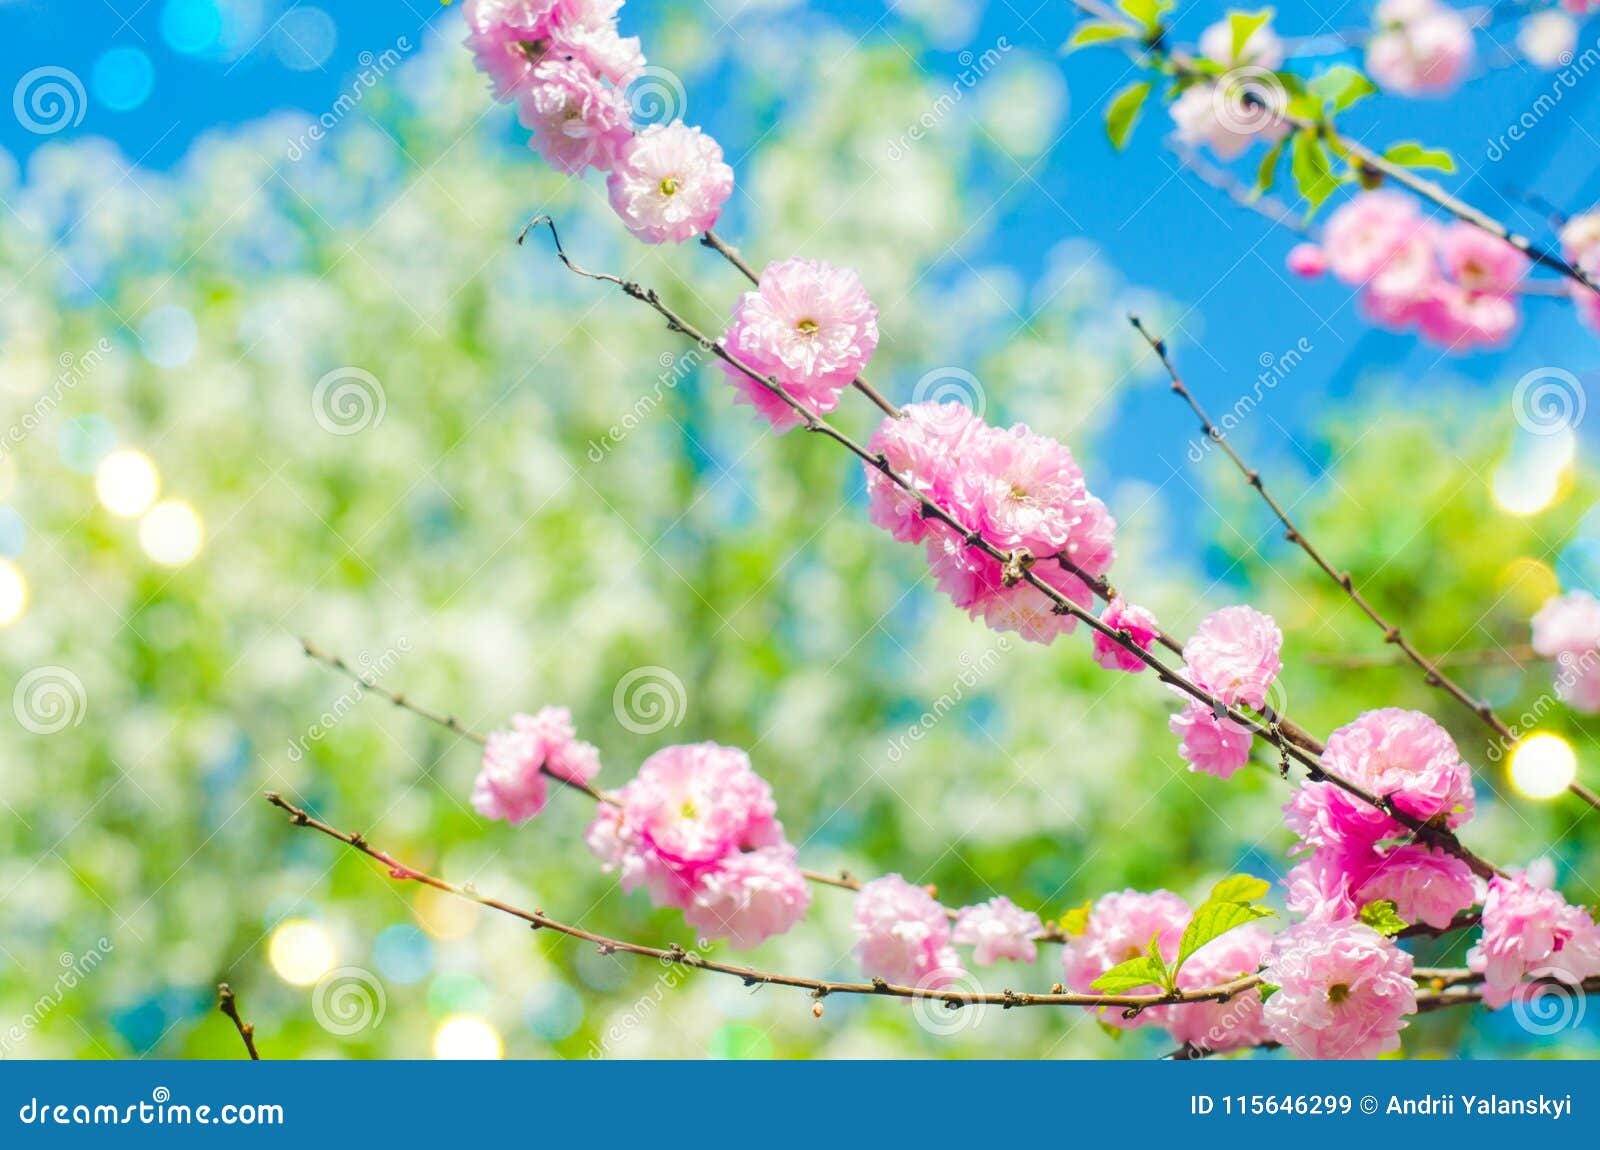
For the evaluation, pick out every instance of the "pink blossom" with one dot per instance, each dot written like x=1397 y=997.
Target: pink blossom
x=1531 y=930
x=509 y=38
x=1262 y=48
x=1406 y=757
x=809 y=325
x=1233 y=655
x=1479 y=261
x=1121 y=926
x=577 y=121
x=1021 y=489
x=1421 y=46
x=1324 y=814
x=1409 y=281
x=1426 y=885
x=926 y=445
x=1362 y=235
x=1226 y=118
x=1343 y=991
x=1307 y=260
x=1580 y=241
x=998 y=929
x=1461 y=319
x=1567 y=629
x=903 y=935
x=688 y=809
x=1210 y=744
x=750 y=896
x=1230 y=1025
x=1141 y=627
x=511 y=784
x=669 y=183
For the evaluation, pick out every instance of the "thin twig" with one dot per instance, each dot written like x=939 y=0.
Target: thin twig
x=1018 y=566
x=1365 y=157
x=841 y=880
x=1432 y=673
x=228 y=1003
x=1130 y=1004
x=717 y=244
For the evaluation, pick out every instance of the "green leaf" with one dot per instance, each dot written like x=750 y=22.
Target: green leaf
x=1410 y=154
x=1340 y=87
x=1211 y=921
x=1076 y=920
x=1309 y=163
x=1124 y=111
x=1244 y=25
x=1097 y=33
x=1267 y=174
x=1110 y=1031
x=1147 y=12
x=1267 y=990
x=1239 y=888
x=1380 y=915
x=1131 y=975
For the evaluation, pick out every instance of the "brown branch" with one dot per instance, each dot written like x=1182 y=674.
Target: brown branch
x=1130 y=1004
x=1433 y=674
x=843 y=880
x=1365 y=157
x=1019 y=564
x=228 y=1003
x=716 y=243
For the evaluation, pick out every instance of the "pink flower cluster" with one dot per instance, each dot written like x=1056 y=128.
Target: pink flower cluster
x=1420 y=46
x=1246 y=105
x=1233 y=657
x=1567 y=629
x=1529 y=929
x=998 y=929
x=566 y=66
x=1121 y=926
x=698 y=829
x=1580 y=243
x=1456 y=284
x=903 y=935
x=810 y=326
x=1018 y=489
x=1141 y=627
x=1354 y=852
x=511 y=784
x=1344 y=991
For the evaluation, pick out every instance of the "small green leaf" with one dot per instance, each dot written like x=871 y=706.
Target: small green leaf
x=1147 y=12
x=1380 y=915
x=1309 y=163
x=1097 y=33
x=1131 y=975
x=1340 y=87
x=1267 y=990
x=1211 y=921
x=1109 y=1030
x=1076 y=920
x=1243 y=26
x=1267 y=174
x=1124 y=111
x=1410 y=154
x=1239 y=888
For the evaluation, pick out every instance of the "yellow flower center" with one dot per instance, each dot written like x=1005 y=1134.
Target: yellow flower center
x=1338 y=992
x=669 y=186
x=687 y=810
x=806 y=327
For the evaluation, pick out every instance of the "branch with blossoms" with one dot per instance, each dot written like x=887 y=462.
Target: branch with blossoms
x=1014 y=537
x=1457 y=284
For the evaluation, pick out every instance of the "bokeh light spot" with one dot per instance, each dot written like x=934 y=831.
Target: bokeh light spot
x=1542 y=765
x=122 y=79
x=191 y=26
x=304 y=38
x=301 y=951
x=126 y=482
x=13 y=594
x=467 y=1037
x=170 y=533
x=168 y=336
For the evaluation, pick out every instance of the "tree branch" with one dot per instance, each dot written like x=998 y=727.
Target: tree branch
x=228 y=1003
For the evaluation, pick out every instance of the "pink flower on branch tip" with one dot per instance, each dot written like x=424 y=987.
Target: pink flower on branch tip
x=1211 y=744
x=1344 y=991
x=1122 y=926
x=1407 y=758
x=669 y=183
x=998 y=929
x=808 y=325
x=510 y=38
x=1141 y=627
x=903 y=935
x=577 y=121
x=1530 y=930
x=1233 y=655
x=1307 y=261
x=511 y=784
x=1421 y=46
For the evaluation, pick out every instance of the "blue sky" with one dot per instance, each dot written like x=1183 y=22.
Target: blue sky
x=155 y=83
